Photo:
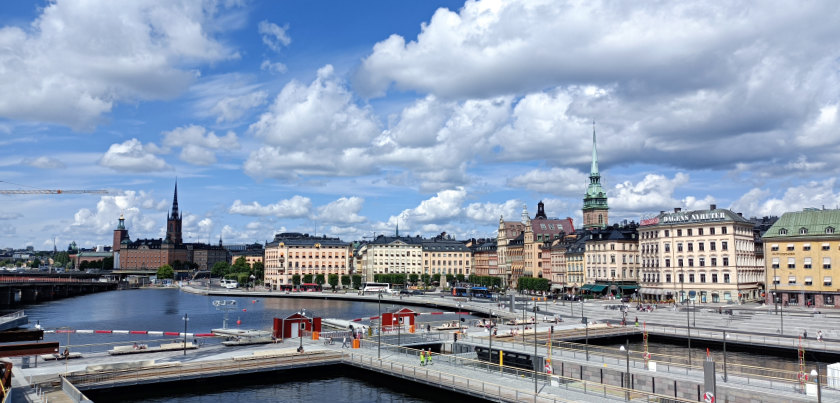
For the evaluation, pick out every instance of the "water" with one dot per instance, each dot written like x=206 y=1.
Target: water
x=336 y=385
x=163 y=310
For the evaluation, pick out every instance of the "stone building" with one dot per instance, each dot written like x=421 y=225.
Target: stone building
x=702 y=255
x=149 y=254
x=292 y=253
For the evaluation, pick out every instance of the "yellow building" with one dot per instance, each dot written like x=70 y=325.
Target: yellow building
x=293 y=253
x=802 y=253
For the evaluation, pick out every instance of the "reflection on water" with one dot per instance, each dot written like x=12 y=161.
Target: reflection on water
x=334 y=385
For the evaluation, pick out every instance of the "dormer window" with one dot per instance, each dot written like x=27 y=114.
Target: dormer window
x=782 y=231
x=803 y=231
x=829 y=230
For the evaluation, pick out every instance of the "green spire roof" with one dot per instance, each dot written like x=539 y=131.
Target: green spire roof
x=595 y=198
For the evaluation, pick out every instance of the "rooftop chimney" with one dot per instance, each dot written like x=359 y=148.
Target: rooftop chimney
x=677 y=209
x=713 y=207
x=740 y=214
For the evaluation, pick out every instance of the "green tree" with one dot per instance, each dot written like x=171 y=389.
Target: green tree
x=319 y=279
x=307 y=278
x=243 y=278
x=296 y=279
x=165 y=271
x=332 y=279
x=345 y=281
x=450 y=279
x=177 y=265
x=219 y=269
x=460 y=278
x=241 y=266
x=36 y=263
x=413 y=278
x=426 y=279
x=259 y=271
x=357 y=281
x=61 y=259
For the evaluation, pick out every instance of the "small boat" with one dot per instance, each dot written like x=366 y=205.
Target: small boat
x=448 y=326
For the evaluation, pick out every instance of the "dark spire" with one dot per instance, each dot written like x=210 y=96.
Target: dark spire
x=175 y=215
x=541 y=211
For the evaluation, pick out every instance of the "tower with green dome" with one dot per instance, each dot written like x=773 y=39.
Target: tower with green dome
x=595 y=209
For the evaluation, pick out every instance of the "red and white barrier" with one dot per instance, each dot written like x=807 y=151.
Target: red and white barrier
x=416 y=314
x=146 y=332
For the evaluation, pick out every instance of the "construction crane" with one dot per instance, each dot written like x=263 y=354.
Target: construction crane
x=37 y=191
x=51 y=192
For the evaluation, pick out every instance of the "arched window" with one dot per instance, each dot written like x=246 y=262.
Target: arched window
x=829 y=230
x=803 y=231
x=600 y=218
x=782 y=231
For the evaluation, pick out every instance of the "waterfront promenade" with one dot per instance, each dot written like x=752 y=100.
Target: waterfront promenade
x=575 y=378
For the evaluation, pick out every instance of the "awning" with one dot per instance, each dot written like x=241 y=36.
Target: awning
x=556 y=287
x=692 y=293
x=586 y=287
x=629 y=287
x=597 y=288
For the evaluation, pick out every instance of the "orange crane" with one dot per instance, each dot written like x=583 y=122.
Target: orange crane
x=37 y=191
x=51 y=192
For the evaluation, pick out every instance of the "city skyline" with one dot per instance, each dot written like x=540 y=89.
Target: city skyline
x=345 y=119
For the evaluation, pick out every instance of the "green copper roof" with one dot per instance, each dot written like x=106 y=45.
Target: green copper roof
x=595 y=197
x=809 y=223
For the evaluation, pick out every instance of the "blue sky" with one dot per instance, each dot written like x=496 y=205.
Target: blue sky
x=345 y=118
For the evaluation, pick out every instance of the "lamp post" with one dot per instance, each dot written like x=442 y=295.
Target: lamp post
x=535 y=350
x=186 y=319
x=302 y=327
x=626 y=380
x=379 y=334
x=688 y=329
x=459 y=317
x=490 y=328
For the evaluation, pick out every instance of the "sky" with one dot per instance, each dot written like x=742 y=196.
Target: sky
x=346 y=119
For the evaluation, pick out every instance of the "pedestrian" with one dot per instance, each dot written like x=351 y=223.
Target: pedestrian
x=422 y=357
x=804 y=334
x=428 y=328
x=637 y=321
x=819 y=335
x=344 y=342
x=429 y=357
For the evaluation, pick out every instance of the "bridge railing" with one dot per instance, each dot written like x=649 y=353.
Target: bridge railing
x=774 y=378
x=21 y=279
x=452 y=371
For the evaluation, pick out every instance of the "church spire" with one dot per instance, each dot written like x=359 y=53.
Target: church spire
x=174 y=215
x=595 y=208
x=594 y=170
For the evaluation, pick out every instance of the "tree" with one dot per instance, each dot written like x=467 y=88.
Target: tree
x=345 y=281
x=259 y=270
x=460 y=278
x=426 y=279
x=307 y=278
x=332 y=279
x=296 y=279
x=241 y=266
x=177 y=265
x=165 y=271
x=60 y=259
x=357 y=281
x=412 y=278
x=319 y=279
x=219 y=269
x=36 y=263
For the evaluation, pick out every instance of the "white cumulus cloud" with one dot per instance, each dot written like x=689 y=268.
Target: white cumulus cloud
x=133 y=156
x=296 y=207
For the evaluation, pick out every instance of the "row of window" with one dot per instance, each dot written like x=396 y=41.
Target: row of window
x=808 y=280
x=655 y=278
x=804 y=231
x=680 y=232
x=805 y=247
x=807 y=263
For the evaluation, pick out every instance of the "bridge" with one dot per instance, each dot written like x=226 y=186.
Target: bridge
x=30 y=289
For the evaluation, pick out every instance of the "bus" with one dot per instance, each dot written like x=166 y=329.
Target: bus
x=375 y=288
x=287 y=287
x=476 y=292
x=228 y=283
x=310 y=287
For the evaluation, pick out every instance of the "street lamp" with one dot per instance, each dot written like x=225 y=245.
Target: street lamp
x=688 y=329
x=459 y=317
x=302 y=327
x=535 y=349
x=186 y=319
x=379 y=334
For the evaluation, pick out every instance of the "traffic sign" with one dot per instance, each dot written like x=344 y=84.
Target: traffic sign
x=709 y=397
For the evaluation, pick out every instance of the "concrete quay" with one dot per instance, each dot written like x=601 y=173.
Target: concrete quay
x=576 y=378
